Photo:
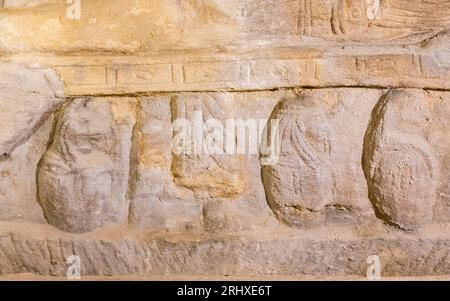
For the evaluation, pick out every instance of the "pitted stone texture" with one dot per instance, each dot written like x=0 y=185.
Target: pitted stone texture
x=318 y=177
x=406 y=158
x=27 y=97
x=210 y=172
x=83 y=176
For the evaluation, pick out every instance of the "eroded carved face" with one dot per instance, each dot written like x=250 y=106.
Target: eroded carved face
x=305 y=131
x=88 y=131
x=79 y=174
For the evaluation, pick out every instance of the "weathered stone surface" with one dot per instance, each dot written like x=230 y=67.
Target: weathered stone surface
x=363 y=21
x=318 y=175
x=240 y=216
x=18 y=189
x=82 y=177
x=155 y=203
x=189 y=24
x=210 y=172
x=111 y=25
x=152 y=149
x=27 y=97
x=27 y=3
x=403 y=156
x=360 y=90
x=423 y=65
x=327 y=251
x=437 y=55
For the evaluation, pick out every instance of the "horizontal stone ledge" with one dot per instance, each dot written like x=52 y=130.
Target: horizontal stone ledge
x=337 y=251
x=117 y=76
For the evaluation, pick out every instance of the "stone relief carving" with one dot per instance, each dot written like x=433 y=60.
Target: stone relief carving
x=401 y=168
x=366 y=166
x=371 y=21
x=302 y=182
x=82 y=177
x=305 y=187
x=211 y=175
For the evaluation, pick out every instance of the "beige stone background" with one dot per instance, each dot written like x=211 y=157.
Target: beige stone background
x=86 y=161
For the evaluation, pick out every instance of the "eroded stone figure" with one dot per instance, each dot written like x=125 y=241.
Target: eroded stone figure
x=82 y=176
x=318 y=179
x=208 y=172
x=401 y=169
x=301 y=183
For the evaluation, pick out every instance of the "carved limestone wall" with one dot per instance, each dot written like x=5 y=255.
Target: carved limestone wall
x=209 y=137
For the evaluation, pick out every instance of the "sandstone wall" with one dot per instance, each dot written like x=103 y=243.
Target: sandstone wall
x=89 y=105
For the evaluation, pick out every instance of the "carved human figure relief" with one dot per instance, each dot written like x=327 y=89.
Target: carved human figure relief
x=301 y=183
x=209 y=172
x=401 y=169
x=82 y=177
